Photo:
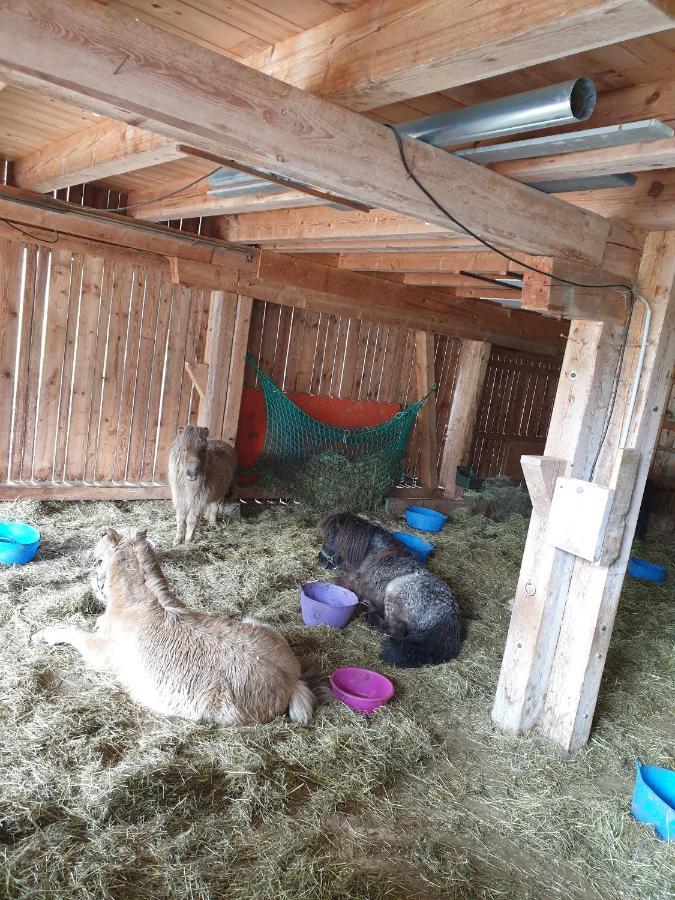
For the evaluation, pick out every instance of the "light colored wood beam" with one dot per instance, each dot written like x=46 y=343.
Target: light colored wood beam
x=649 y=203
x=554 y=298
x=84 y=58
x=427 y=262
x=425 y=377
x=101 y=151
x=609 y=161
x=386 y=245
x=471 y=369
x=235 y=382
x=388 y=51
x=304 y=284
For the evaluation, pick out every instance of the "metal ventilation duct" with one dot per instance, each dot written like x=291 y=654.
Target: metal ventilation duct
x=560 y=104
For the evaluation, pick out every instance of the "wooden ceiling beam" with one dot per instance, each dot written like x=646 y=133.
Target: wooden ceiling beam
x=391 y=50
x=380 y=53
x=641 y=157
x=553 y=298
x=222 y=107
x=452 y=262
x=375 y=245
x=101 y=151
x=265 y=275
x=648 y=204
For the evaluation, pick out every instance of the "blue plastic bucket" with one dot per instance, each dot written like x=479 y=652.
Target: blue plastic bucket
x=424 y=519
x=654 y=799
x=18 y=543
x=420 y=549
x=646 y=571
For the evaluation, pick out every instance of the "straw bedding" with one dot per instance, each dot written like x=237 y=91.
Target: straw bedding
x=100 y=799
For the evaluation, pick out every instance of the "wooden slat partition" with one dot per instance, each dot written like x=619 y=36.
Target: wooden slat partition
x=514 y=411
x=93 y=356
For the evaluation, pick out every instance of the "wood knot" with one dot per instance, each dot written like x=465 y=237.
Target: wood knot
x=655 y=188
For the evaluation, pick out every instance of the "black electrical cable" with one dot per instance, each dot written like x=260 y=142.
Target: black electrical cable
x=32 y=237
x=629 y=291
x=183 y=187
x=427 y=193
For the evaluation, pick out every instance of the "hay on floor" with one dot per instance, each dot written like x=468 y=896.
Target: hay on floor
x=100 y=799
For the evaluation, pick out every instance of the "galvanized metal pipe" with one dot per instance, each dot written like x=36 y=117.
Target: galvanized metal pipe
x=558 y=104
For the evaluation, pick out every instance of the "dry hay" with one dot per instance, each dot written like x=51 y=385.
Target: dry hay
x=100 y=799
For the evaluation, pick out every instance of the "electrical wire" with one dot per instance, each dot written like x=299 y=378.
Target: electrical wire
x=627 y=289
x=33 y=237
x=427 y=193
x=168 y=196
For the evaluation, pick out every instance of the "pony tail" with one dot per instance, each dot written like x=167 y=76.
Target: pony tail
x=302 y=704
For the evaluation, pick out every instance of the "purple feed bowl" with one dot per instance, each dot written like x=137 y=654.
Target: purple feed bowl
x=326 y=604
x=361 y=689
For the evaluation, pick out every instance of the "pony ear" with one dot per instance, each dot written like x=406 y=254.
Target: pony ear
x=204 y=432
x=113 y=536
x=142 y=533
x=180 y=430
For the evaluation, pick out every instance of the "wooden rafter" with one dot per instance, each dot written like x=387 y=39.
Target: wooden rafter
x=266 y=275
x=266 y=124
x=394 y=50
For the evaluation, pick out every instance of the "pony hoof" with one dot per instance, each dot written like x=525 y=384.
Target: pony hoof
x=177 y=541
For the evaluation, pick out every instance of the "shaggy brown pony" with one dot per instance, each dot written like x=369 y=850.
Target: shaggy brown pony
x=201 y=472
x=402 y=598
x=178 y=662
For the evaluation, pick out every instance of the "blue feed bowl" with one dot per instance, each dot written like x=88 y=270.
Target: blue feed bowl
x=18 y=543
x=654 y=799
x=646 y=571
x=424 y=519
x=420 y=549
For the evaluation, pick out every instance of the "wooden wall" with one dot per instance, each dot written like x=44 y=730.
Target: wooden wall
x=93 y=367
x=514 y=411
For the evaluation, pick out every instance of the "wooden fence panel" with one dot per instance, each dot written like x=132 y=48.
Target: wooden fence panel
x=11 y=269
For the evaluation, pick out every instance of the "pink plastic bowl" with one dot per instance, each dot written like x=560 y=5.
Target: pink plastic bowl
x=361 y=689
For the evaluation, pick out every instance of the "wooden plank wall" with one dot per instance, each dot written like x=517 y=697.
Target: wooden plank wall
x=514 y=411
x=92 y=356
x=663 y=472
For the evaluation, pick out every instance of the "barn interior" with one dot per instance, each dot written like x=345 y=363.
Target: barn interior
x=375 y=202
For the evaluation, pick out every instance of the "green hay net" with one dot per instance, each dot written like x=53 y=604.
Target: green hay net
x=326 y=467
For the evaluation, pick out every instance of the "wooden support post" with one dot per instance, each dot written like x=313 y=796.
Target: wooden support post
x=425 y=377
x=471 y=369
x=565 y=605
x=237 y=369
x=217 y=355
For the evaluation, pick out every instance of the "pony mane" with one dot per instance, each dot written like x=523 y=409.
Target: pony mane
x=352 y=536
x=135 y=548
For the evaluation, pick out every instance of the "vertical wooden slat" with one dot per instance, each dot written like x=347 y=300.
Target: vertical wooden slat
x=11 y=265
x=317 y=363
x=268 y=345
x=114 y=371
x=102 y=329
x=294 y=348
x=327 y=361
x=173 y=378
x=146 y=353
x=61 y=437
x=349 y=364
x=278 y=369
x=23 y=363
x=35 y=362
x=129 y=375
x=424 y=379
x=84 y=368
x=340 y=349
x=303 y=379
x=255 y=340
x=189 y=398
x=222 y=315
x=52 y=365
x=237 y=366
x=165 y=297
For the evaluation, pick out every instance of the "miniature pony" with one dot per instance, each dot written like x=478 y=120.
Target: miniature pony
x=402 y=598
x=201 y=472
x=176 y=661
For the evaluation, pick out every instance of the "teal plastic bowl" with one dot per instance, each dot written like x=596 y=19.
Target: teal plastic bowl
x=420 y=549
x=654 y=799
x=18 y=543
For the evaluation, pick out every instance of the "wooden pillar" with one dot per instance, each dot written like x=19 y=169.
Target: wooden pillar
x=237 y=369
x=565 y=605
x=471 y=369
x=217 y=356
x=425 y=377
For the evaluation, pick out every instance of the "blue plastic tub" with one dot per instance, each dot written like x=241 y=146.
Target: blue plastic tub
x=646 y=571
x=18 y=543
x=424 y=519
x=420 y=549
x=654 y=799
